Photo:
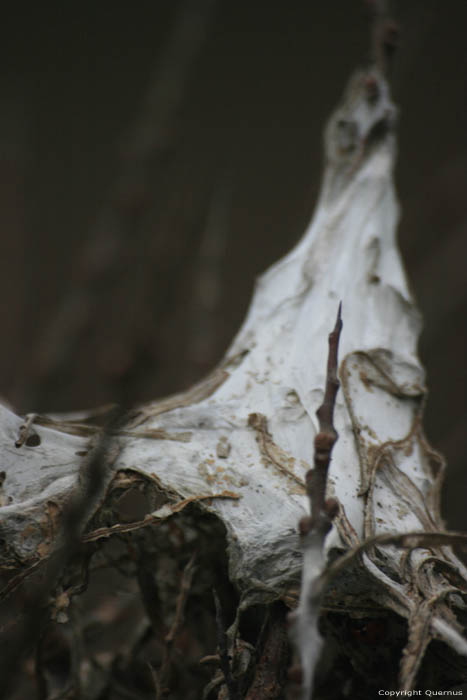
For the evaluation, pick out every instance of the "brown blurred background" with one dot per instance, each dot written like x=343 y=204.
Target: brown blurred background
x=156 y=156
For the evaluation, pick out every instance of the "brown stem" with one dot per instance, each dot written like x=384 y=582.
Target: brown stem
x=185 y=587
x=270 y=675
x=316 y=479
x=224 y=658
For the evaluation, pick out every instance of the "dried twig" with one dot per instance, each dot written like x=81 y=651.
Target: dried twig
x=17 y=580
x=155 y=680
x=313 y=529
x=323 y=511
x=156 y=518
x=224 y=658
x=150 y=597
x=408 y=540
x=269 y=680
x=272 y=453
x=171 y=635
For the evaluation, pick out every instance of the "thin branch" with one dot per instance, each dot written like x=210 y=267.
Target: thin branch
x=150 y=596
x=408 y=540
x=156 y=681
x=323 y=511
x=156 y=518
x=224 y=658
x=269 y=680
x=185 y=587
x=314 y=528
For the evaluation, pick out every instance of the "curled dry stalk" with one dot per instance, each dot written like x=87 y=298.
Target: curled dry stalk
x=314 y=528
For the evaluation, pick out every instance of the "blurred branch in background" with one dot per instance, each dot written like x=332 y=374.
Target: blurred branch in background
x=208 y=280
x=112 y=275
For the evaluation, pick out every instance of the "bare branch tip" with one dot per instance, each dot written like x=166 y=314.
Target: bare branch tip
x=339 y=323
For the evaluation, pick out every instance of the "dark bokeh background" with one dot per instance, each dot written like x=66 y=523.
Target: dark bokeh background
x=156 y=156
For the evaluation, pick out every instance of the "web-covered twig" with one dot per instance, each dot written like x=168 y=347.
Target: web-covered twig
x=313 y=529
